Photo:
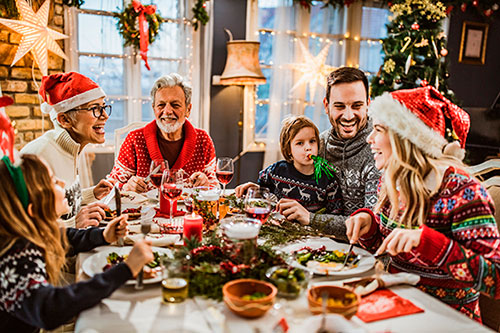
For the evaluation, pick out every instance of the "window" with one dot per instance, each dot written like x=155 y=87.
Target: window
x=351 y=36
x=97 y=51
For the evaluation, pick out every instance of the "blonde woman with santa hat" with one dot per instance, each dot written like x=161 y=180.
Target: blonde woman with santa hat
x=432 y=218
x=77 y=109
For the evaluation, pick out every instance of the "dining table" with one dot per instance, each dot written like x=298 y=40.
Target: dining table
x=131 y=310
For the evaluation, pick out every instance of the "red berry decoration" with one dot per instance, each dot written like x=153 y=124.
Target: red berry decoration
x=488 y=12
x=415 y=26
x=424 y=83
x=463 y=7
x=475 y=3
x=444 y=52
x=448 y=10
x=381 y=81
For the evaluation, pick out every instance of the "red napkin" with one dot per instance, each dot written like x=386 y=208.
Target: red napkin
x=176 y=213
x=384 y=304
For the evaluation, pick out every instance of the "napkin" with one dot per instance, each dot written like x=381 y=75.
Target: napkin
x=130 y=197
x=384 y=304
x=156 y=239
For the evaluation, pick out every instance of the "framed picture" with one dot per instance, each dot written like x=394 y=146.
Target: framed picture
x=473 y=43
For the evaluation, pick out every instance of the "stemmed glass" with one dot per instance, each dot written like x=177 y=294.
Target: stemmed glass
x=172 y=183
x=257 y=205
x=156 y=170
x=224 y=171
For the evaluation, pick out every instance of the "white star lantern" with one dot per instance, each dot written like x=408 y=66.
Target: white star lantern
x=36 y=36
x=314 y=71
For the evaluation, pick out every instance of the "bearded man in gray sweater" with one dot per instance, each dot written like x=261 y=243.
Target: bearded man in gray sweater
x=345 y=147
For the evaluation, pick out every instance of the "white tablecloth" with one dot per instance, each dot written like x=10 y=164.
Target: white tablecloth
x=129 y=310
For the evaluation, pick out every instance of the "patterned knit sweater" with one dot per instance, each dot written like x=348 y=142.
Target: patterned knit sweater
x=141 y=146
x=357 y=174
x=459 y=251
x=28 y=302
x=282 y=179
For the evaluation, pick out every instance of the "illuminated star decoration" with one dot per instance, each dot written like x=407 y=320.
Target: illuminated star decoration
x=314 y=71
x=36 y=36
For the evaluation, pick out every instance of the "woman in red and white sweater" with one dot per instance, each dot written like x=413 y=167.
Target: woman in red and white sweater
x=433 y=218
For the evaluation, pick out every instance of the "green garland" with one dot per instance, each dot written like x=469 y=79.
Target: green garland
x=200 y=14
x=128 y=26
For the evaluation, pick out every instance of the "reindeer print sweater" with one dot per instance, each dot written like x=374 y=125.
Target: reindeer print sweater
x=282 y=179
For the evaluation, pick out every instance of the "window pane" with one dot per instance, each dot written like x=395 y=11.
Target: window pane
x=170 y=42
x=147 y=111
x=370 y=55
x=263 y=89
x=261 y=113
x=106 y=5
x=107 y=72
x=98 y=34
x=268 y=13
x=319 y=117
x=117 y=119
x=158 y=69
x=266 y=48
x=168 y=8
x=326 y=20
x=373 y=22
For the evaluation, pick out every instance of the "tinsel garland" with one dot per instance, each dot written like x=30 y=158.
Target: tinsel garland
x=129 y=28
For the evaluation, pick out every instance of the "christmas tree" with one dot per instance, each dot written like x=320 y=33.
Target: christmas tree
x=415 y=49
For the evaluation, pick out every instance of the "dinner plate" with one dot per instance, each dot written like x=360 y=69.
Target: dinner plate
x=365 y=264
x=95 y=263
x=146 y=213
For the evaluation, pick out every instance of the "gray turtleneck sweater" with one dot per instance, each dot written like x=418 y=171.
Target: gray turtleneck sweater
x=357 y=175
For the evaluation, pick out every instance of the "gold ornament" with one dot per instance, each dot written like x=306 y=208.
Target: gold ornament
x=314 y=70
x=423 y=42
x=389 y=66
x=408 y=41
x=36 y=36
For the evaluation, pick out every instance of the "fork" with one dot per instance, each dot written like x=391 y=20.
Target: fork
x=145 y=229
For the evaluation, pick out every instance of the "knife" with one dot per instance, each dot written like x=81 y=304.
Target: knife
x=118 y=202
x=348 y=255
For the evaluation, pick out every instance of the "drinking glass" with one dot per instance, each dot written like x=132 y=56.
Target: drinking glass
x=240 y=237
x=175 y=282
x=224 y=171
x=172 y=183
x=257 y=206
x=156 y=170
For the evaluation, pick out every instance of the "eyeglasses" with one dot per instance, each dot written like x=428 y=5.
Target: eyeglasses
x=97 y=110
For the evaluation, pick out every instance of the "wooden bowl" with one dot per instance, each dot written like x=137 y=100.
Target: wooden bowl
x=347 y=309
x=234 y=290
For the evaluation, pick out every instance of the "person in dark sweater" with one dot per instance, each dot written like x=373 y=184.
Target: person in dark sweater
x=293 y=179
x=33 y=249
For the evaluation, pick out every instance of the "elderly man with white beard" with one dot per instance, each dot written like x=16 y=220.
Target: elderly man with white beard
x=169 y=137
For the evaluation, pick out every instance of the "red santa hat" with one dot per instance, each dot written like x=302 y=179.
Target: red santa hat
x=65 y=91
x=421 y=115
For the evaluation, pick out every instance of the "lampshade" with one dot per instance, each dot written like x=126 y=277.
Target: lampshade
x=242 y=64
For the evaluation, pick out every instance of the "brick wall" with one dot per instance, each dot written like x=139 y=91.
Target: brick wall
x=17 y=81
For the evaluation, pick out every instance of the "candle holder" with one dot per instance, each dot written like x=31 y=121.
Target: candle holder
x=240 y=237
x=205 y=202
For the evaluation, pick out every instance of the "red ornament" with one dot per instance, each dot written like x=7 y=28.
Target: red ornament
x=348 y=2
x=381 y=82
x=389 y=4
x=488 y=12
x=415 y=26
x=424 y=83
x=448 y=10
x=475 y=3
x=463 y=7
x=6 y=130
x=444 y=52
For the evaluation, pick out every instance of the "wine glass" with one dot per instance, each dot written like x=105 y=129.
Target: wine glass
x=224 y=171
x=156 y=171
x=172 y=183
x=257 y=206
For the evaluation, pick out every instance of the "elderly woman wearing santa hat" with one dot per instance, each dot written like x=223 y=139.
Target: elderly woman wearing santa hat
x=432 y=218
x=77 y=109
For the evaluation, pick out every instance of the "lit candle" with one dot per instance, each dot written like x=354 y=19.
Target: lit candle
x=193 y=226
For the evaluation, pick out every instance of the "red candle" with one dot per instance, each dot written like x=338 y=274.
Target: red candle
x=193 y=226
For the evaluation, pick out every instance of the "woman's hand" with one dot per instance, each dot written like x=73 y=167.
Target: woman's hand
x=90 y=215
x=116 y=229
x=136 y=184
x=400 y=241
x=358 y=225
x=102 y=189
x=240 y=190
x=140 y=255
x=293 y=210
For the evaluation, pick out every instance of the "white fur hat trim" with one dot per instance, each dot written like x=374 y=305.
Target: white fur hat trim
x=401 y=120
x=73 y=102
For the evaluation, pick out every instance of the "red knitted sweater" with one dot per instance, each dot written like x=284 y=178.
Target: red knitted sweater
x=459 y=252
x=141 y=146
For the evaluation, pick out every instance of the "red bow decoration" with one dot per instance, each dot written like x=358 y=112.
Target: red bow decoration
x=7 y=134
x=143 y=28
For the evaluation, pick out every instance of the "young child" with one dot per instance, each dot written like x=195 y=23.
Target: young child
x=33 y=248
x=432 y=217
x=293 y=178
